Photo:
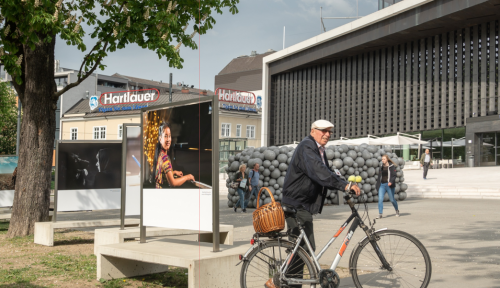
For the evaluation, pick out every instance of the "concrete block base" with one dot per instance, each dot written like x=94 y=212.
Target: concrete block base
x=205 y=268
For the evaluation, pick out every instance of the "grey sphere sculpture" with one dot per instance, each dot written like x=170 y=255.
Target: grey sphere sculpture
x=267 y=178
x=364 y=175
x=283 y=173
x=281 y=181
x=266 y=163
x=353 y=154
x=261 y=183
x=271 y=168
x=276 y=174
x=404 y=187
x=367 y=187
x=276 y=187
x=234 y=166
x=350 y=171
x=289 y=154
x=348 y=161
x=275 y=163
x=371 y=172
x=282 y=158
x=283 y=167
x=338 y=163
x=360 y=161
x=266 y=172
x=402 y=196
x=269 y=155
x=283 y=150
x=262 y=149
x=329 y=154
x=272 y=182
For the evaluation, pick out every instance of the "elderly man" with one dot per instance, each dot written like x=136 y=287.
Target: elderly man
x=307 y=180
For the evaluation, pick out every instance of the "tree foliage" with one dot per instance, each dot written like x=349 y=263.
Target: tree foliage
x=152 y=24
x=8 y=119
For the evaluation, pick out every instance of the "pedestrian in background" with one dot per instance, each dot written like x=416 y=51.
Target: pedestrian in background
x=425 y=161
x=242 y=179
x=254 y=181
x=387 y=183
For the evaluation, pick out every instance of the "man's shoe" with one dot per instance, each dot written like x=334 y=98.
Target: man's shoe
x=235 y=209
x=244 y=211
x=397 y=213
x=379 y=216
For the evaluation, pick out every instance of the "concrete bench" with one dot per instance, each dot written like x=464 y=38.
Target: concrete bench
x=205 y=268
x=44 y=231
x=116 y=236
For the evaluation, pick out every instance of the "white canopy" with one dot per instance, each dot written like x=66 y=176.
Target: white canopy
x=370 y=140
x=400 y=140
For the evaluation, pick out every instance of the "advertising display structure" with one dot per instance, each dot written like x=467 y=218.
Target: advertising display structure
x=8 y=164
x=87 y=175
x=131 y=171
x=177 y=165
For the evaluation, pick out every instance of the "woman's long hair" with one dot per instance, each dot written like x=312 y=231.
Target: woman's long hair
x=389 y=160
x=164 y=125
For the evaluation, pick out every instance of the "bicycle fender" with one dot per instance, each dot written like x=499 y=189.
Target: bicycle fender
x=359 y=243
x=256 y=245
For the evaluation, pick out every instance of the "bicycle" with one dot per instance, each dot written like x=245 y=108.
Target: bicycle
x=277 y=262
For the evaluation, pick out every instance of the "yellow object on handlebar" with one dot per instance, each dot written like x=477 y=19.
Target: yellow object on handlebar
x=358 y=179
x=351 y=178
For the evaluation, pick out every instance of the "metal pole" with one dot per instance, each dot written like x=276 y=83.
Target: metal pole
x=56 y=180
x=142 y=229
x=283 y=37
x=18 y=136
x=320 y=20
x=124 y=172
x=452 y=166
x=215 y=174
x=170 y=91
x=419 y=145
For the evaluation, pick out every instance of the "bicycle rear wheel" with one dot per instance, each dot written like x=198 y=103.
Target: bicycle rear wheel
x=264 y=263
x=407 y=257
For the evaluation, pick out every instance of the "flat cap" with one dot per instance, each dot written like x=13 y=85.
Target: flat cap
x=321 y=124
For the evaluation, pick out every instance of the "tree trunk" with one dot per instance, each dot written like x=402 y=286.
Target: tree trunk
x=32 y=196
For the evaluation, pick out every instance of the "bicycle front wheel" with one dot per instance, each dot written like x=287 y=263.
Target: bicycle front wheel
x=408 y=258
x=264 y=263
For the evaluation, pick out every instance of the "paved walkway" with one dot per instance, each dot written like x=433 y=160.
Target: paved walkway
x=475 y=183
x=462 y=236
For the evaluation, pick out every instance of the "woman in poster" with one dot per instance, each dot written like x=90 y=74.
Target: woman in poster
x=163 y=171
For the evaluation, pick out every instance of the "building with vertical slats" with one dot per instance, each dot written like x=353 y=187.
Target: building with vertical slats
x=426 y=67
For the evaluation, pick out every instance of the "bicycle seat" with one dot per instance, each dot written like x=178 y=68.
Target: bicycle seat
x=289 y=211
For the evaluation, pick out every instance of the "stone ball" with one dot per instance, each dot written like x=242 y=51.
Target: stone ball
x=329 y=154
x=351 y=147
x=261 y=169
x=345 y=167
x=267 y=201
x=283 y=173
x=266 y=163
x=375 y=162
x=337 y=155
x=231 y=191
x=262 y=149
x=283 y=167
x=356 y=172
x=366 y=155
x=270 y=189
x=402 y=196
x=265 y=184
x=367 y=187
x=234 y=166
x=283 y=150
x=401 y=161
x=404 y=187
x=343 y=155
x=364 y=175
x=350 y=171
x=402 y=179
x=272 y=182
x=261 y=183
x=375 y=198
x=267 y=178
x=271 y=168
x=230 y=158
x=266 y=173
x=337 y=163
x=397 y=180
x=250 y=163
x=282 y=158
x=397 y=189
x=348 y=161
x=289 y=154
x=359 y=154
x=330 y=163
x=288 y=161
x=365 y=167
x=269 y=155
x=276 y=174
x=396 y=197
x=353 y=154
x=355 y=165
x=371 y=172
x=256 y=154
x=276 y=186
x=230 y=204
x=372 y=149
x=356 y=149
x=344 y=148
x=281 y=181
x=360 y=161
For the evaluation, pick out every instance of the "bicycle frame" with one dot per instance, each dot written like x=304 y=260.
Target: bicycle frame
x=357 y=222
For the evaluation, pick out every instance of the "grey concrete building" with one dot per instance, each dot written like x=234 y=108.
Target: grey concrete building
x=416 y=66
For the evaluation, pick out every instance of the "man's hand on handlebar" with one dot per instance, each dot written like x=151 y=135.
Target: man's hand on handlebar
x=355 y=188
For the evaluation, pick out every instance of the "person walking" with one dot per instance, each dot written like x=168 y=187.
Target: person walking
x=242 y=179
x=307 y=181
x=425 y=161
x=254 y=175
x=387 y=183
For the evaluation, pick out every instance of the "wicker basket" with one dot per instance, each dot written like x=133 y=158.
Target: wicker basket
x=270 y=217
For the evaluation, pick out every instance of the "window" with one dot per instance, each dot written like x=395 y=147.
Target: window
x=100 y=133
x=74 y=133
x=238 y=130
x=226 y=130
x=120 y=131
x=250 y=131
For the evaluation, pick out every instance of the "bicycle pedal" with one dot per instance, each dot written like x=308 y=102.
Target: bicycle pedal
x=329 y=279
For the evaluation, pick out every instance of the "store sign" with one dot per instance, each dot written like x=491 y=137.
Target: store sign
x=134 y=97
x=129 y=97
x=238 y=108
x=236 y=96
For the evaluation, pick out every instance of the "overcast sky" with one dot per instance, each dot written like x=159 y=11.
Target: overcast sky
x=257 y=27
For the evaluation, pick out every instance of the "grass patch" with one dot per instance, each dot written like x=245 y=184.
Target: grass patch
x=4 y=227
x=70 y=266
x=18 y=276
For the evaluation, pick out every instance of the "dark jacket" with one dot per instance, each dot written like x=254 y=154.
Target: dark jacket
x=391 y=176
x=239 y=176
x=422 y=159
x=308 y=177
